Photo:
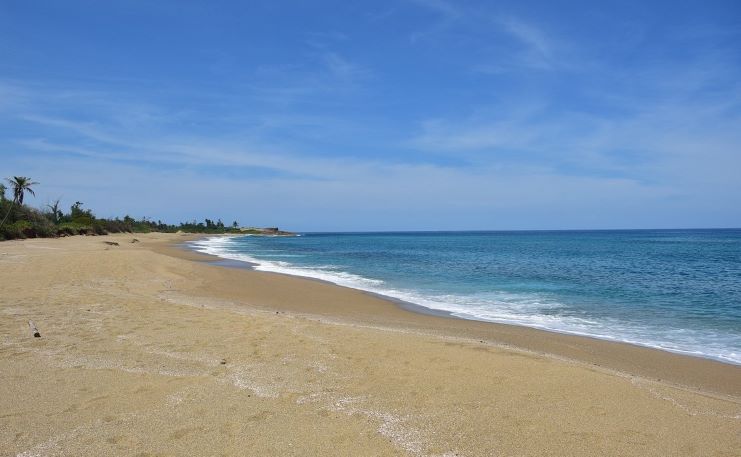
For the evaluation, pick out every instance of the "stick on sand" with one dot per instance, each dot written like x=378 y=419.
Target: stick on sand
x=34 y=330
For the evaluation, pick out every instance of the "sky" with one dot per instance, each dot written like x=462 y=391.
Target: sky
x=364 y=116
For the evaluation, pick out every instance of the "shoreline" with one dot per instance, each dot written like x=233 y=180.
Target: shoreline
x=151 y=349
x=422 y=309
x=702 y=374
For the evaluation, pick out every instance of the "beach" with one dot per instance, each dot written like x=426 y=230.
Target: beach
x=149 y=349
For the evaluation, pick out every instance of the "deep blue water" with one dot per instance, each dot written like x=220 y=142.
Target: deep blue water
x=678 y=290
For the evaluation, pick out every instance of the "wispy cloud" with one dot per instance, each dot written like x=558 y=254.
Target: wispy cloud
x=342 y=69
x=538 y=48
x=529 y=46
x=155 y=141
x=687 y=143
x=85 y=129
x=321 y=73
x=445 y=8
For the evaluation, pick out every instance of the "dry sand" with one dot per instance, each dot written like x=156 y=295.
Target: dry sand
x=150 y=350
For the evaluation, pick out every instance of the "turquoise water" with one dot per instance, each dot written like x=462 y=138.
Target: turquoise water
x=678 y=290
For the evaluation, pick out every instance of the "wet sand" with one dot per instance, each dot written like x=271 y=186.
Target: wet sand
x=148 y=349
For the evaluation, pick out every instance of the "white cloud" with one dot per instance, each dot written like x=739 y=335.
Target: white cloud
x=535 y=49
x=442 y=7
x=343 y=69
x=538 y=48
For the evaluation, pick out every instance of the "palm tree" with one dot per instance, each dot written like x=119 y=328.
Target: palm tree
x=55 y=212
x=21 y=185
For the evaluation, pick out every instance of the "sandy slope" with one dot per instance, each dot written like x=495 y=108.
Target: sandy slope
x=143 y=353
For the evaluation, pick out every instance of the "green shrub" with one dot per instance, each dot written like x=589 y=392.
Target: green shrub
x=83 y=220
x=40 y=224
x=67 y=228
x=25 y=222
x=115 y=226
x=72 y=228
x=16 y=230
x=141 y=228
x=99 y=227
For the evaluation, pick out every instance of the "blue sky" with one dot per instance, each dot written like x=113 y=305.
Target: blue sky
x=404 y=115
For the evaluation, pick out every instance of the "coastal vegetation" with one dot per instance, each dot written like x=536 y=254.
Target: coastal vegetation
x=20 y=220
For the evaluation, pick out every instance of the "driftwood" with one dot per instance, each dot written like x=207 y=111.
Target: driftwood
x=134 y=240
x=111 y=243
x=34 y=330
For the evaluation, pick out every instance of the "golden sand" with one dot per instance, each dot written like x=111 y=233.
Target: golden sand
x=146 y=349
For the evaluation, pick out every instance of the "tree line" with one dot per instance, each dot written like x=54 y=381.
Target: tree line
x=22 y=221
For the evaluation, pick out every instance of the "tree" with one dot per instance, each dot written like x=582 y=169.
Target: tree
x=21 y=185
x=76 y=210
x=2 y=192
x=235 y=224
x=56 y=213
x=81 y=216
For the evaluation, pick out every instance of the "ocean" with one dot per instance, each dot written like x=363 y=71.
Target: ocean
x=677 y=290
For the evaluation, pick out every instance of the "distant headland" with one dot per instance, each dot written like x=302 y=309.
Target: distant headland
x=265 y=231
